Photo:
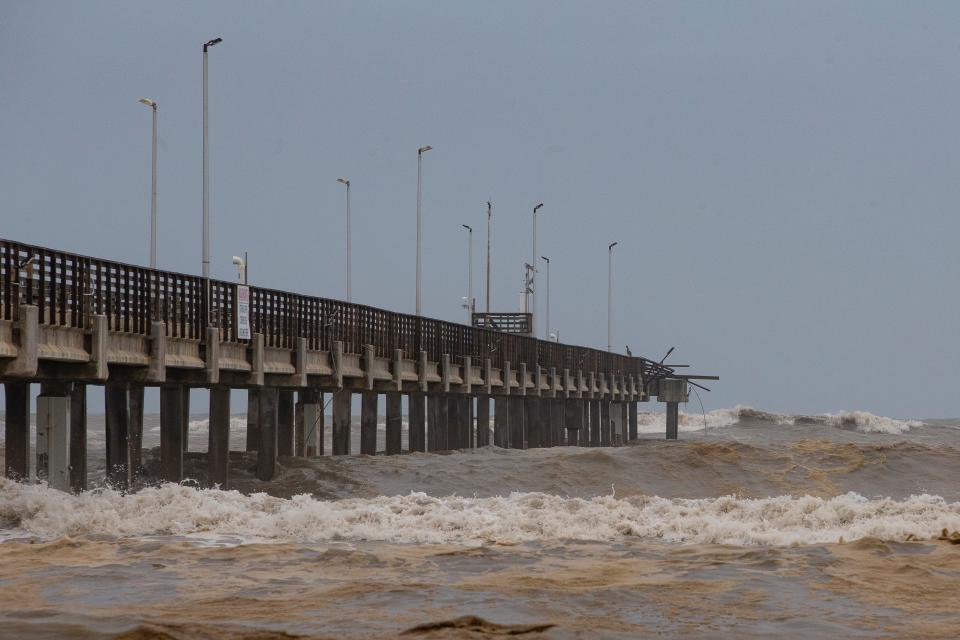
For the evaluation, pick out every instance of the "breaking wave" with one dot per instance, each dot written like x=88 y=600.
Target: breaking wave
x=179 y=510
x=862 y=421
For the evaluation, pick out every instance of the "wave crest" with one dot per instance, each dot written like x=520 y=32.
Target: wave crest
x=862 y=421
x=519 y=517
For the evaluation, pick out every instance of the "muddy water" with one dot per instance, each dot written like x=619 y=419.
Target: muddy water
x=800 y=526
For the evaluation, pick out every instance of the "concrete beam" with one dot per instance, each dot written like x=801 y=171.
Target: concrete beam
x=26 y=362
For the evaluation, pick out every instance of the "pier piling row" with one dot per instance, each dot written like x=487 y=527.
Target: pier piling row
x=69 y=321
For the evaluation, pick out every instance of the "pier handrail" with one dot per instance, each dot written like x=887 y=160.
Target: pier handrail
x=68 y=288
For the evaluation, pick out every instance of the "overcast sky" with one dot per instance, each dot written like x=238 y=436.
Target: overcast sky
x=782 y=177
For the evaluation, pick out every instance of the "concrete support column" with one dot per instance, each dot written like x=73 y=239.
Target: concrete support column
x=557 y=416
x=253 y=418
x=17 y=423
x=368 y=423
x=171 y=433
x=631 y=420
x=285 y=419
x=573 y=419
x=455 y=422
x=78 y=437
x=605 y=427
x=433 y=422
x=394 y=434
x=218 y=443
x=623 y=423
x=416 y=416
x=53 y=437
x=595 y=423
x=469 y=433
x=310 y=423
x=533 y=422
x=483 y=420
x=186 y=418
x=341 y=422
x=269 y=419
x=501 y=421
x=117 y=435
x=517 y=439
x=673 y=415
x=135 y=441
x=586 y=428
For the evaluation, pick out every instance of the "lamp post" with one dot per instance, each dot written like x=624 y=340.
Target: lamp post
x=206 y=166
x=153 y=188
x=546 y=325
x=469 y=303
x=610 y=293
x=489 y=214
x=533 y=276
x=346 y=182
x=420 y=153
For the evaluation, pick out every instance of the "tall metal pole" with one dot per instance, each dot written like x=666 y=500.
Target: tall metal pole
x=346 y=182
x=533 y=276
x=153 y=189
x=469 y=304
x=488 y=254
x=206 y=166
x=546 y=325
x=610 y=294
x=420 y=153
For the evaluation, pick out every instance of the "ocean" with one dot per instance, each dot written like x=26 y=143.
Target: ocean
x=753 y=524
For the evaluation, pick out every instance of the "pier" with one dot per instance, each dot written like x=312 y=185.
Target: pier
x=68 y=321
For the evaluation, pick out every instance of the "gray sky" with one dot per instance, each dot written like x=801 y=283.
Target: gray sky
x=782 y=177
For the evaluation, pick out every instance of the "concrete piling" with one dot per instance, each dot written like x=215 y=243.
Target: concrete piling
x=595 y=438
x=253 y=418
x=17 y=423
x=269 y=419
x=501 y=421
x=218 y=443
x=517 y=410
x=368 y=423
x=483 y=420
x=78 y=437
x=285 y=423
x=631 y=421
x=171 y=433
x=341 y=422
x=117 y=435
x=605 y=427
x=455 y=422
x=416 y=416
x=573 y=419
x=53 y=436
x=135 y=436
x=309 y=424
x=673 y=420
x=394 y=427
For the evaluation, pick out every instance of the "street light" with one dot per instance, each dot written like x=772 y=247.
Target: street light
x=153 y=189
x=469 y=302
x=546 y=325
x=241 y=265
x=489 y=214
x=610 y=294
x=420 y=153
x=206 y=166
x=533 y=275
x=346 y=182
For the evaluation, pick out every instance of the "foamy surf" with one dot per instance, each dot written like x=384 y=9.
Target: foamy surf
x=861 y=421
x=519 y=517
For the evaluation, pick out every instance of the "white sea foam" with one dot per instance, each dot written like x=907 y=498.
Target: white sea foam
x=862 y=421
x=417 y=518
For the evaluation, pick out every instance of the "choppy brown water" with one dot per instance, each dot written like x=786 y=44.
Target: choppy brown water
x=810 y=528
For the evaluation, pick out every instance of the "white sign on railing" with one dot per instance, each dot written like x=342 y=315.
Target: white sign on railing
x=243 y=312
